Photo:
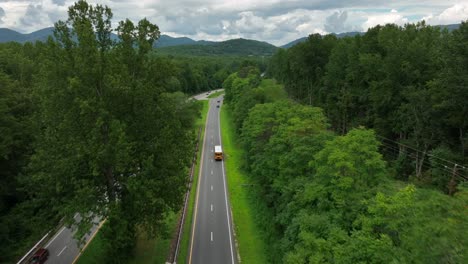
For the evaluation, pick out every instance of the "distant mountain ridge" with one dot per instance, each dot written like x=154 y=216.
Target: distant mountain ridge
x=168 y=41
x=165 y=41
x=167 y=44
x=232 y=47
x=7 y=35
x=450 y=27
x=340 y=35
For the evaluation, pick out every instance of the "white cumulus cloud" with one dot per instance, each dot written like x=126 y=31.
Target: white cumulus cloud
x=392 y=17
x=451 y=15
x=2 y=14
x=275 y=21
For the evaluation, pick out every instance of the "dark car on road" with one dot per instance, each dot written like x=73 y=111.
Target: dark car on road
x=40 y=256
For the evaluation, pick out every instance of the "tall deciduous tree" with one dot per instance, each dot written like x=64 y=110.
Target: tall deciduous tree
x=406 y=83
x=112 y=143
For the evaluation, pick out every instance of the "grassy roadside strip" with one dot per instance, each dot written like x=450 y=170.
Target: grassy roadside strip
x=213 y=95
x=92 y=253
x=154 y=250
x=251 y=247
x=185 y=241
x=147 y=250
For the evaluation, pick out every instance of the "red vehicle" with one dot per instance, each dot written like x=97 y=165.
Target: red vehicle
x=40 y=256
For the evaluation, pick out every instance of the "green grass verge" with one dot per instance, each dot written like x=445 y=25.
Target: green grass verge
x=147 y=250
x=93 y=253
x=251 y=246
x=213 y=95
x=154 y=250
x=185 y=240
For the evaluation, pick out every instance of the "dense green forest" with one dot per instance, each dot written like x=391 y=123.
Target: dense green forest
x=331 y=197
x=89 y=124
x=233 y=47
x=196 y=74
x=355 y=145
x=407 y=83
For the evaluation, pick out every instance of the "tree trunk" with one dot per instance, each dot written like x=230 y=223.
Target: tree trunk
x=109 y=174
x=462 y=142
x=343 y=122
x=108 y=170
x=416 y=164
x=401 y=148
x=419 y=164
x=452 y=185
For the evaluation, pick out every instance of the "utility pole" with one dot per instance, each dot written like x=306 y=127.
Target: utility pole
x=452 y=185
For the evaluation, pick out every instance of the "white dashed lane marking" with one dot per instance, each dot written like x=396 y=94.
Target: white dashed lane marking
x=62 y=251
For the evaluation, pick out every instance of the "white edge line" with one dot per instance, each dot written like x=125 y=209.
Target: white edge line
x=35 y=246
x=198 y=188
x=50 y=242
x=225 y=191
x=62 y=251
x=89 y=240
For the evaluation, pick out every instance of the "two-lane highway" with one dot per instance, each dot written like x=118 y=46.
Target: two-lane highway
x=63 y=247
x=212 y=240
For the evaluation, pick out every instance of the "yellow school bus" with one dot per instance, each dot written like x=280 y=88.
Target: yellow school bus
x=218 y=153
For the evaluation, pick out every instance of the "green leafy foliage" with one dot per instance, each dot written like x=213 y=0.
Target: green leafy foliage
x=406 y=83
x=330 y=198
x=91 y=126
x=17 y=220
x=112 y=139
x=233 y=47
x=194 y=75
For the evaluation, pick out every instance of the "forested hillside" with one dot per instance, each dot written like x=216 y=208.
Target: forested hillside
x=303 y=39
x=233 y=47
x=407 y=83
x=450 y=27
x=326 y=197
x=195 y=74
x=8 y=35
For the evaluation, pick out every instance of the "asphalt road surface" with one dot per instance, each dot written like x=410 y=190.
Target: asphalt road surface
x=63 y=248
x=204 y=95
x=212 y=240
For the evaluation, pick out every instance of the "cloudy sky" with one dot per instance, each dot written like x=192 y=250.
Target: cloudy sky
x=275 y=21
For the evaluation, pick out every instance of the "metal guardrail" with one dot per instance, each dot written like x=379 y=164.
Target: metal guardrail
x=28 y=255
x=175 y=245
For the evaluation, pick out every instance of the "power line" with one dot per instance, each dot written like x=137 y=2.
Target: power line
x=426 y=163
x=426 y=153
x=464 y=167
